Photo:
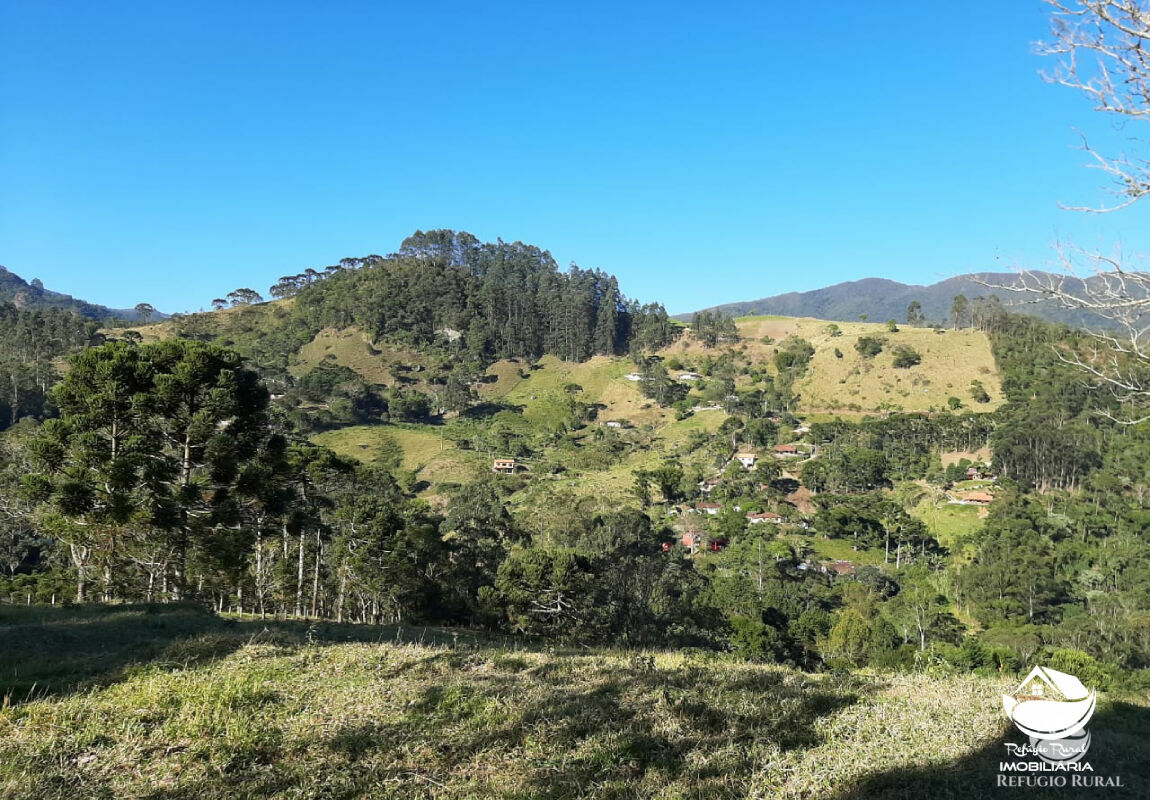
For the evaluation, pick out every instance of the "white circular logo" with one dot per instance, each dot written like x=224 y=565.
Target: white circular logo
x=1049 y=704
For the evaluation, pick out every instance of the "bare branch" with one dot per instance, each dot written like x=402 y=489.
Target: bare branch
x=1118 y=300
x=1102 y=49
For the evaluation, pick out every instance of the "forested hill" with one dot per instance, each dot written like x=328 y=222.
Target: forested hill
x=882 y=299
x=494 y=300
x=445 y=294
x=22 y=294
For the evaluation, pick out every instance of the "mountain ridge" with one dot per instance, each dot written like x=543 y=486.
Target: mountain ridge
x=24 y=294
x=882 y=298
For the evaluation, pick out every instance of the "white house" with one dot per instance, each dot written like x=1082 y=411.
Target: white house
x=746 y=459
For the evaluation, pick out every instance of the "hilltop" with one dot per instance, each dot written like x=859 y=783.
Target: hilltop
x=16 y=290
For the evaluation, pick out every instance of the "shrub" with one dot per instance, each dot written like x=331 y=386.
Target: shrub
x=869 y=346
x=906 y=357
x=1082 y=666
x=793 y=357
x=756 y=641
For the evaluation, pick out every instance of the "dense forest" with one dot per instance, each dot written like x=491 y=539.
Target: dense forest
x=489 y=301
x=164 y=470
x=31 y=342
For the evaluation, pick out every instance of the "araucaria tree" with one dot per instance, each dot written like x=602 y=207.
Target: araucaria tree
x=151 y=439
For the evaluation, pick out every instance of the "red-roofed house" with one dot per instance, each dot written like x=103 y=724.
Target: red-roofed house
x=504 y=466
x=692 y=540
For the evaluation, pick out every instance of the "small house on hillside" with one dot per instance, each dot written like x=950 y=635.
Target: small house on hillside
x=707 y=508
x=766 y=516
x=841 y=567
x=692 y=540
x=708 y=484
x=503 y=466
x=613 y=423
x=976 y=498
x=689 y=376
x=633 y=376
x=786 y=450
x=746 y=459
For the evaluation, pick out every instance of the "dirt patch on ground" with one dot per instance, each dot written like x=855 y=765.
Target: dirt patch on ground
x=976 y=456
x=803 y=500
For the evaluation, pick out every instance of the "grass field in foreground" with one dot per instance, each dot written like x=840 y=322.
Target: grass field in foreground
x=180 y=704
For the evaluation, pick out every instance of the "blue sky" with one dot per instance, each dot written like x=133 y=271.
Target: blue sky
x=704 y=153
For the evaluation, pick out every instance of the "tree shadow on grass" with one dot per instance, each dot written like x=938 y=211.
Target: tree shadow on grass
x=489 y=408
x=627 y=732
x=501 y=724
x=1120 y=735
x=55 y=651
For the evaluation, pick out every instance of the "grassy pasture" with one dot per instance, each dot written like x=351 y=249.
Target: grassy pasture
x=176 y=703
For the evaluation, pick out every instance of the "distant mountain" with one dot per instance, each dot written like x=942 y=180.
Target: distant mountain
x=16 y=290
x=881 y=299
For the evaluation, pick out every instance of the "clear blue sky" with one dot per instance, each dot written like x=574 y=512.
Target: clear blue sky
x=704 y=153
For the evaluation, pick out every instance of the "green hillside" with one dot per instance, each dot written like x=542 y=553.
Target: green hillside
x=535 y=390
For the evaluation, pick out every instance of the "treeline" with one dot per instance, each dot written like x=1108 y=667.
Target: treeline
x=31 y=340
x=492 y=300
x=1056 y=425
x=712 y=327
x=907 y=443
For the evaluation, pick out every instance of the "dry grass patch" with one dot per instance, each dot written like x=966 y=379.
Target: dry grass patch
x=353 y=348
